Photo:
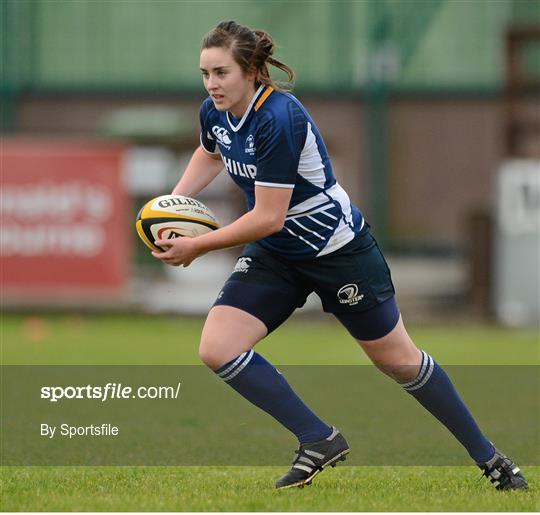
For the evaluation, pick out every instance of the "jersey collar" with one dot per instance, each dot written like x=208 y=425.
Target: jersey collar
x=248 y=110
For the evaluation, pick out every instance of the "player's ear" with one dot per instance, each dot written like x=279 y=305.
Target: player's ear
x=251 y=74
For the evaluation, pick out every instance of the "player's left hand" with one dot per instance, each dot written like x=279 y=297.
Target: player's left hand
x=180 y=251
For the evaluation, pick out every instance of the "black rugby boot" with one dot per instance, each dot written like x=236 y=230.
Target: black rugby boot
x=503 y=473
x=312 y=458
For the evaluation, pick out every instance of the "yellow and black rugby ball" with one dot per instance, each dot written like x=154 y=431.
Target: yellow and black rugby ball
x=173 y=216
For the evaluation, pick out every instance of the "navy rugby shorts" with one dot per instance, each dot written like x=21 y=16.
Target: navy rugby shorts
x=353 y=283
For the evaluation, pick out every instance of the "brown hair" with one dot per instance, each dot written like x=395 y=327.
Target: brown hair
x=250 y=48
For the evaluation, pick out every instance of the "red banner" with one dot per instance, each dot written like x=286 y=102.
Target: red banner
x=64 y=219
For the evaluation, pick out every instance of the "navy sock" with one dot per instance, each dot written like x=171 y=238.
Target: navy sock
x=261 y=384
x=433 y=389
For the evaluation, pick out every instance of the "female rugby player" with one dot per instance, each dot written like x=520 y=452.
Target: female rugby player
x=302 y=235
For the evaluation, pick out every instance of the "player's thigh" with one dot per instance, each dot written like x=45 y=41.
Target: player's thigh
x=357 y=288
x=227 y=333
x=262 y=292
x=394 y=353
x=382 y=335
x=355 y=284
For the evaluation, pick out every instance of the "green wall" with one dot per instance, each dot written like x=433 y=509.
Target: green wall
x=154 y=44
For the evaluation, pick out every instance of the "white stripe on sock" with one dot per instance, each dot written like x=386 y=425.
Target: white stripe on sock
x=236 y=362
x=240 y=367
x=426 y=378
x=420 y=373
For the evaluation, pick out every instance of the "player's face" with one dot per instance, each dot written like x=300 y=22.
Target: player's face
x=229 y=86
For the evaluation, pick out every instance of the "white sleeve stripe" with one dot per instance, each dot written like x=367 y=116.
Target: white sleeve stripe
x=216 y=153
x=274 y=184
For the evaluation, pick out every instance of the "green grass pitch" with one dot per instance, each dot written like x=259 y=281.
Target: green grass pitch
x=68 y=339
x=250 y=489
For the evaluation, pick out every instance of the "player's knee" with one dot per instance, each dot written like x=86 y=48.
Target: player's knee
x=400 y=366
x=401 y=373
x=209 y=354
x=210 y=359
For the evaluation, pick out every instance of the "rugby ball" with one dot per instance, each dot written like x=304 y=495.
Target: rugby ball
x=173 y=216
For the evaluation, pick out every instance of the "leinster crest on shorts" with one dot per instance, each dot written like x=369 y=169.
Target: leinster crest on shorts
x=348 y=294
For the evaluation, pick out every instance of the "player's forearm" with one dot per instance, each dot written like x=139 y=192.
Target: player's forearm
x=250 y=227
x=201 y=170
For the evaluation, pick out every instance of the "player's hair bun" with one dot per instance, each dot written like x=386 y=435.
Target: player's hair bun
x=229 y=27
x=265 y=45
x=250 y=48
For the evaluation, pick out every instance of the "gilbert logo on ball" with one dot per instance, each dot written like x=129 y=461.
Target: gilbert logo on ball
x=173 y=216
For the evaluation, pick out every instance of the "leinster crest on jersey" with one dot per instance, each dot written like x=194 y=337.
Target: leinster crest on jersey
x=250 y=145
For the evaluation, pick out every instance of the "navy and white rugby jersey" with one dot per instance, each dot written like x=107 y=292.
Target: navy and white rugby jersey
x=277 y=144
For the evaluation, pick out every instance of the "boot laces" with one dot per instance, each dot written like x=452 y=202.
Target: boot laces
x=501 y=471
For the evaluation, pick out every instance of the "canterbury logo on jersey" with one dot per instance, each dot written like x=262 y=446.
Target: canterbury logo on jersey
x=222 y=136
x=242 y=265
x=241 y=169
